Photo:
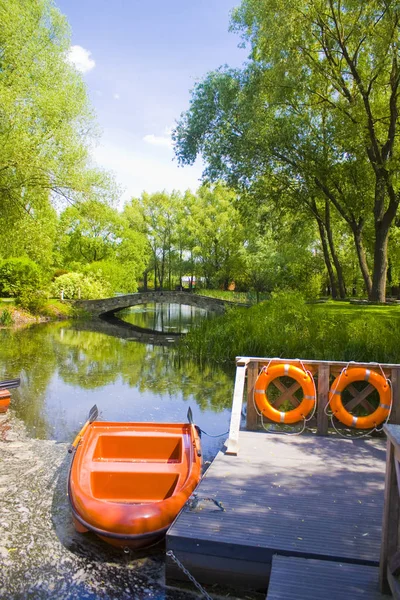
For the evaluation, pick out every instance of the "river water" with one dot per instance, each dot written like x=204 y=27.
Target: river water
x=65 y=368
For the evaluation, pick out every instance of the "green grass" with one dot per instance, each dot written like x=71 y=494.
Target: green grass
x=52 y=308
x=341 y=309
x=286 y=326
x=233 y=296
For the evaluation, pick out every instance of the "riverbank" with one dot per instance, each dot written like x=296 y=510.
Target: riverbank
x=13 y=315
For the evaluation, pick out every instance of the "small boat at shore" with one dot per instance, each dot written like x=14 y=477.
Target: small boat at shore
x=5 y=395
x=128 y=481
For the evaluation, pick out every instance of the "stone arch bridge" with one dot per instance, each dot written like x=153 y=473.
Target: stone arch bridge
x=106 y=306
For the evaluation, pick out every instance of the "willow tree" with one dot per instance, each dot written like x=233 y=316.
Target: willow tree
x=324 y=66
x=45 y=119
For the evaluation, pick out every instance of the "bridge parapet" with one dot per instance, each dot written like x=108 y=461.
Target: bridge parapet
x=110 y=305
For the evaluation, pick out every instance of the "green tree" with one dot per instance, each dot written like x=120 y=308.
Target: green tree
x=45 y=129
x=217 y=235
x=318 y=103
x=159 y=214
x=91 y=231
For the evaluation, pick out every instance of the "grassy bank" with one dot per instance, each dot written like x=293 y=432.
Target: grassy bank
x=286 y=326
x=233 y=296
x=13 y=314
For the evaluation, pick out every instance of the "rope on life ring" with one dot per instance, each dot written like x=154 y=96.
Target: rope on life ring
x=380 y=383
x=303 y=378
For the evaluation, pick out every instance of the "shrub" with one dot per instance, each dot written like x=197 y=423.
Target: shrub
x=77 y=285
x=18 y=276
x=6 y=318
x=33 y=301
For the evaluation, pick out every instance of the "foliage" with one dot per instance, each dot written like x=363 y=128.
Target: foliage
x=18 y=276
x=313 y=111
x=29 y=234
x=286 y=326
x=6 y=318
x=32 y=300
x=77 y=285
x=217 y=235
x=90 y=232
x=113 y=276
x=46 y=129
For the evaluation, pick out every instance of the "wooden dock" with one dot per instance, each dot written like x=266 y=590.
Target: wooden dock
x=308 y=503
x=306 y=496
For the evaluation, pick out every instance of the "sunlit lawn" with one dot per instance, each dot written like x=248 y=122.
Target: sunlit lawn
x=356 y=310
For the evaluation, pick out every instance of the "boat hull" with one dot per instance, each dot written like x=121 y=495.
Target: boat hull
x=128 y=481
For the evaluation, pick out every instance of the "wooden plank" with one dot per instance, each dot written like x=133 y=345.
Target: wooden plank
x=306 y=579
x=286 y=495
x=232 y=443
x=287 y=393
x=251 y=413
x=217 y=570
x=322 y=399
x=359 y=397
x=390 y=517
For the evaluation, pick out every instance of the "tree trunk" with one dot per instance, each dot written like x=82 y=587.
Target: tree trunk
x=145 y=281
x=362 y=258
x=327 y=258
x=335 y=258
x=378 y=290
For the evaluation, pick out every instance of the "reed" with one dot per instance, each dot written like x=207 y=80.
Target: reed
x=286 y=326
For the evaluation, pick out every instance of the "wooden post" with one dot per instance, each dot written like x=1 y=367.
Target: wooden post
x=322 y=399
x=232 y=443
x=251 y=414
x=390 y=517
x=395 y=412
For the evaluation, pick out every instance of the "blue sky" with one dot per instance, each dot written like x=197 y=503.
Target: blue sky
x=140 y=60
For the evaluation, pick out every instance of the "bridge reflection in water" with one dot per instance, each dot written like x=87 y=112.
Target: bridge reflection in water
x=154 y=323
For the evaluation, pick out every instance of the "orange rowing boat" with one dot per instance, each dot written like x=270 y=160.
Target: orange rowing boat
x=128 y=481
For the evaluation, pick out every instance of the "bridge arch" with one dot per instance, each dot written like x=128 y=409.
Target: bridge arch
x=110 y=305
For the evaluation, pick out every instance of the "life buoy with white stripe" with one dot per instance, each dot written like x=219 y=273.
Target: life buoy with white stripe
x=349 y=376
x=303 y=378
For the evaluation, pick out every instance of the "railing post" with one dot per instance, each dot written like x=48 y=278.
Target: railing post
x=251 y=414
x=232 y=443
x=395 y=380
x=322 y=399
x=390 y=524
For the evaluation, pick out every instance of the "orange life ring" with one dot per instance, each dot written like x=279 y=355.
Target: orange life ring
x=360 y=374
x=303 y=378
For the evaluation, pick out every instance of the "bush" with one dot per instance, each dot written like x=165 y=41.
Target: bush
x=77 y=285
x=19 y=276
x=6 y=318
x=32 y=301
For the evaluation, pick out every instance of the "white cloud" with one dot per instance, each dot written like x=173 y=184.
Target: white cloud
x=137 y=171
x=81 y=59
x=116 y=96
x=159 y=140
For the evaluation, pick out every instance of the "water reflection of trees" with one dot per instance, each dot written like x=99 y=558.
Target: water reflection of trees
x=165 y=317
x=91 y=360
